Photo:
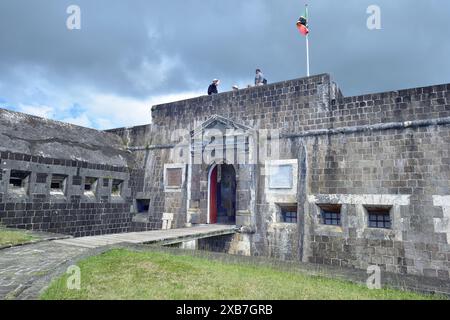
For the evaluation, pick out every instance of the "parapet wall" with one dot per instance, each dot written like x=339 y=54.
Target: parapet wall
x=394 y=106
x=34 y=136
x=45 y=166
x=306 y=104
x=284 y=105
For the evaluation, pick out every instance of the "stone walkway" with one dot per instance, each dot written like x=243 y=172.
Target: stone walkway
x=164 y=237
x=21 y=266
x=24 y=270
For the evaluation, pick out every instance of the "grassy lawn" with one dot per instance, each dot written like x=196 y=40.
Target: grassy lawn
x=124 y=274
x=13 y=237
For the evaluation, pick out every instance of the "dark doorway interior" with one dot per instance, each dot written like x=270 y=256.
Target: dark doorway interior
x=223 y=195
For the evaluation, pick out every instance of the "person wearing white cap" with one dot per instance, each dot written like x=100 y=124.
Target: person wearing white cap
x=212 y=89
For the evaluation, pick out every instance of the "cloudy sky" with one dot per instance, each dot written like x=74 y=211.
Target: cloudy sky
x=132 y=54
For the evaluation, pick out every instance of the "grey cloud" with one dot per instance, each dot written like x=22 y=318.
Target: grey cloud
x=141 y=48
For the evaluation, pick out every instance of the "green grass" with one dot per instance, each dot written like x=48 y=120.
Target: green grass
x=13 y=237
x=124 y=274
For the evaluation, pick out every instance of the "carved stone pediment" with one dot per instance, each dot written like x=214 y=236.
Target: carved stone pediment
x=219 y=132
x=219 y=123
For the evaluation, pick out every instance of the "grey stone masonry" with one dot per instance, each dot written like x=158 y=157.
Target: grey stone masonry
x=387 y=152
x=70 y=210
x=52 y=177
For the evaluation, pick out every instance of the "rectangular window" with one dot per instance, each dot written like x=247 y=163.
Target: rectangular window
x=330 y=214
x=105 y=182
x=379 y=217
x=142 y=205
x=117 y=187
x=288 y=213
x=19 y=180
x=90 y=185
x=58 y=184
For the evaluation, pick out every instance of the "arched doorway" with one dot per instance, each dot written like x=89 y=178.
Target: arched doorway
x=222 y=194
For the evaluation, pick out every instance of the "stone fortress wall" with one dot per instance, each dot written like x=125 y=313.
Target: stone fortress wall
x=353 y=159
x=382 y=153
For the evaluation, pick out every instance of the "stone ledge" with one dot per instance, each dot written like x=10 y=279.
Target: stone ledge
x=8 y=155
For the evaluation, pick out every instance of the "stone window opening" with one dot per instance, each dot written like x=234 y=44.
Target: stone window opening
x=142 y=205
x=116 y=190
x=379 y=217
x=19 y=181
x=90 y=186
x=288 y=213
x=330 y=214
x=58 y=184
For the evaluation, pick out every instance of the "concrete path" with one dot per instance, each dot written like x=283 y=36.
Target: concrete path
x=163 y=237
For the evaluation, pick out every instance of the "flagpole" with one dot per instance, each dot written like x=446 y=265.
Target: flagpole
x=307 y=42
x=307 y=55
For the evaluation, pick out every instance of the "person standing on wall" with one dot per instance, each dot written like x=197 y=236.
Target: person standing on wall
x=259 y=78
x=212 y=89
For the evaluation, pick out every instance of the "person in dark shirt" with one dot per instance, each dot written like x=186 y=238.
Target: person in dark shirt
x=212 y=89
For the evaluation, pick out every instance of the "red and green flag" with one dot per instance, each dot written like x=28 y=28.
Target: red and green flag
x=302 y=23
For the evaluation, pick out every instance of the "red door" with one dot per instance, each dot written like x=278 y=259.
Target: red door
x=213 y=197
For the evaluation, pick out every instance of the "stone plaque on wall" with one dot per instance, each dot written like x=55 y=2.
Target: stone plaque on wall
x=174 y=177
x=280 y=177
